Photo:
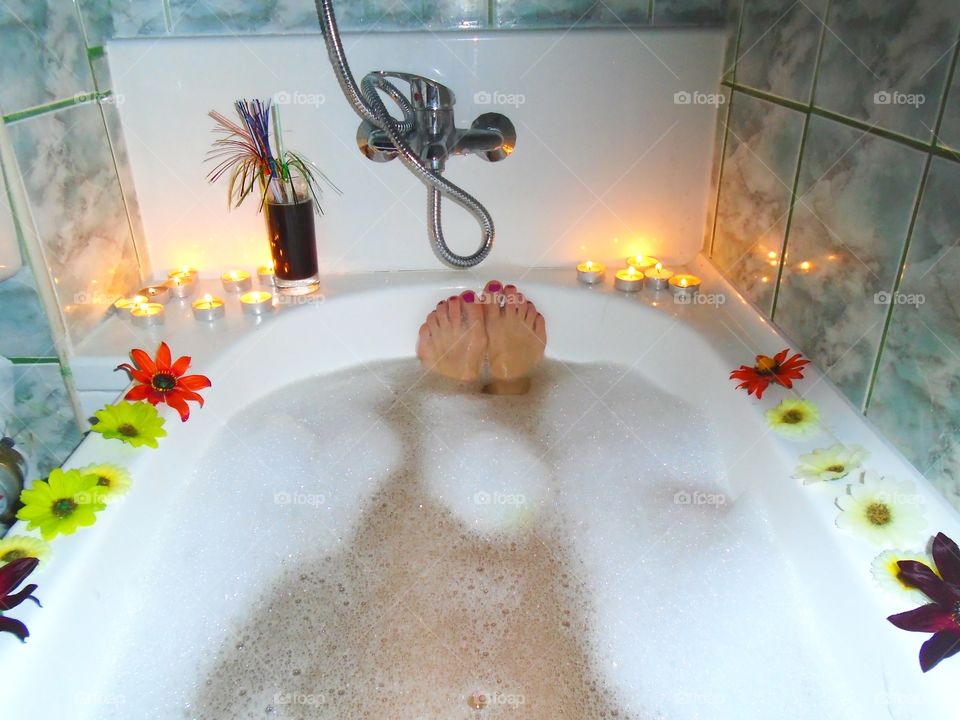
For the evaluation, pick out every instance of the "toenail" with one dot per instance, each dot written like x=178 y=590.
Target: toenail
x=494 y=286
x=452 y=297
x=469 y=297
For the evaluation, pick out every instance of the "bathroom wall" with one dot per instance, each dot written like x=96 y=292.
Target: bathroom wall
x=837 y=186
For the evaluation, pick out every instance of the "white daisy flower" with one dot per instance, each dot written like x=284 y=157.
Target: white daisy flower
x=832 y=463
x=794 y=419
x=883 y=511
x=884 y=569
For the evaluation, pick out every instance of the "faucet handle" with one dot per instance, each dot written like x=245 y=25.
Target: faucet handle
x=425 y=94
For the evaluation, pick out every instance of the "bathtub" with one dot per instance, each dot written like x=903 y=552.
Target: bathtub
x=147 y=613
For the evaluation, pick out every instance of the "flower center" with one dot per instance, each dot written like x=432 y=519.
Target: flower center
x=792 y=417
x=164 y=382
x=878 y=514
x=104 y=481
x=835 y=468
x=63 y=507
x=128 y=430
x=766 y=365
x=12 y=555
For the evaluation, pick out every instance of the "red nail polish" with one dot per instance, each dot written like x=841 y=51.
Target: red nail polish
x=469 y=297
x=494 y=287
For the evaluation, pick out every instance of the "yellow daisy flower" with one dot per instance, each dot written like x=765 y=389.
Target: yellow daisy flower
x=794 y=419
x=112 y=481
x=884 y=569
x=136 y=423
x=61 y=504
x=832 y=463
x=883 y=511
x=14 y=547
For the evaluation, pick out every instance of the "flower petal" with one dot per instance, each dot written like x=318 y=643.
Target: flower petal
x=8 y=624
x=918 y=575
x=190 y=396
x=143 y=361
x=946 y=555
x=14 y=573
x=11 y=601
x=929 y=618
x=138 y=392
x=181 y=365
x=195 y=382
x=175 y=401
x=939 y=647
x=163 y=357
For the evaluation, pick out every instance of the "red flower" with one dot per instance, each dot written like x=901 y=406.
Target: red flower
x=159 y=381
x=11 y=575
x=770 y=369
x=942 y=616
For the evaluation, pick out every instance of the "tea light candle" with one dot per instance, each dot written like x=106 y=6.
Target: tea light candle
x=236 y=281
x=256 y=302
x=208 y=308
x=266 y=275
x=124 y=304
x=181 y=286
x=685 y=286
x=641 y=262
x=628 y=280
x=155 y=293
x=657 y=277
x=185 y=271
x=147 y=314
x=590 y=273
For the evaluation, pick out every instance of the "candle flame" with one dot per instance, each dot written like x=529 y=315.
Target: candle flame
x=659 y=266
x=207 y=297
x=683 y=282
x=589 y=264
x=631 y=270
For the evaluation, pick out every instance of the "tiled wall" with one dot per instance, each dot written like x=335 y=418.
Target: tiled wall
x=838 y=188
x=69 y=156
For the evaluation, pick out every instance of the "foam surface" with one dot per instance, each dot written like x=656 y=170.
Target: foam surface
x=569 y=553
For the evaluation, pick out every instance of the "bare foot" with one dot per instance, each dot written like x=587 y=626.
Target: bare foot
x=452 y=340
x=516 y=333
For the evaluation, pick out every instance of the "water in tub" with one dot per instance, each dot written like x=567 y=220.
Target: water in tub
x=395 y=548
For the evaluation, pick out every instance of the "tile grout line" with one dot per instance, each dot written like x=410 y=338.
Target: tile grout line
x=911 y=228
x=804 y=136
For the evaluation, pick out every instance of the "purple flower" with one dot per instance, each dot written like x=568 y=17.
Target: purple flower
x=942 y=616
x=11 y=575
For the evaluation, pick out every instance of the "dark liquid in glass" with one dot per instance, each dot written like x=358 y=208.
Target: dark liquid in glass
x=293 y=243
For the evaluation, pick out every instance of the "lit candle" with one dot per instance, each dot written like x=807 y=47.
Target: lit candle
x=147 y=314
x=590 y=273
x=641 y=262
x=256 y=302
x=236 y=281
x=208 y=308
x=127 y=303
x=155 y=293
x=181 y=286
x=184 y=271
x=628 y=280
x=266 y=275
x=657 y=277
x=684 y=286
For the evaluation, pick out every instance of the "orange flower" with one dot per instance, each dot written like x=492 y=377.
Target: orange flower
x=770 y=369
x=160 y=381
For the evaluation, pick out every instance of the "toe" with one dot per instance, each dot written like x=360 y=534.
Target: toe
x=530 y=314
x=433 y=321
x=423 y=341
x=540 y=328
x=455 y=309
x=472 y=310
x=492 y=287
x=443 y=313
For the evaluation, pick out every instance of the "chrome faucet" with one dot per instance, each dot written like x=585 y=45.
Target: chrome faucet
x=430 y=130
x=423 y=139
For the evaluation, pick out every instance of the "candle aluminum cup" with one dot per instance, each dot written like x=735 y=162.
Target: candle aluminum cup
x=642 y=262
x=684 y=292
x=208 y=309
x=147 y=314
x=256 y=303
x=155 y=293
x=181 y=287
x=183 y=272
x=626 y=281
x=266 y=277
x=657 y=279
x=590 y=273
x=124 y=304
x=236 y=281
